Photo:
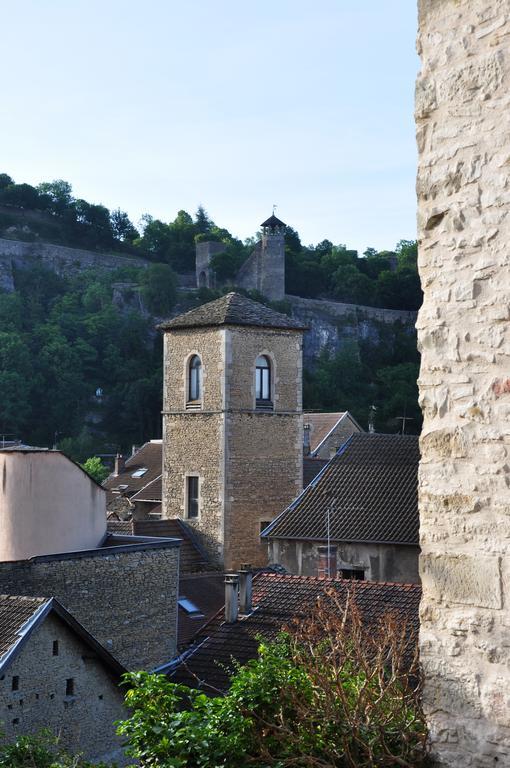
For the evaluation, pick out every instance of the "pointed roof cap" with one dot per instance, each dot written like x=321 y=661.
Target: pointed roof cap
x=232 y=309
x=272 y=222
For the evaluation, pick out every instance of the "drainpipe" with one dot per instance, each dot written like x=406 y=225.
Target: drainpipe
x=231 y=602
x=245 y=589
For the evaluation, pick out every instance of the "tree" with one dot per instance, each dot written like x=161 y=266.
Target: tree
x=96 y=469
x=5 y=180
x=122 y=228
x=331 y=692
x=40 y=750
x=59 y=194
x=203 y=223
x=20 y=195
x=159 y=288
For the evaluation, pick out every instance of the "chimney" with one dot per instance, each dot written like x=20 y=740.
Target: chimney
x=306 y=439
x=231 y=604
x=119 y=465
x=245 y=589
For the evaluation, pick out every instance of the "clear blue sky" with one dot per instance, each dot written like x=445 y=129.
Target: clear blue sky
x=159 y=105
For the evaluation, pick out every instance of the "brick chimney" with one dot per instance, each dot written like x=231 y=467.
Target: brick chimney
x=245 y=589
x=231 y=599
x=120 y=465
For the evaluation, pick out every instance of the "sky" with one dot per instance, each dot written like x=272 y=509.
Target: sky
x=161 y=105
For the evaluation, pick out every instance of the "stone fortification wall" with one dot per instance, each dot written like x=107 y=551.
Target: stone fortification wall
x=463 y=130
x=66 y=262
x=126 y=599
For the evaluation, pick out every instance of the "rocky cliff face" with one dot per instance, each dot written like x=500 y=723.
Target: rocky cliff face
x=64 y=261
x=463 y=130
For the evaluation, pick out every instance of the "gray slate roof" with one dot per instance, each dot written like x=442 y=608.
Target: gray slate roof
x=371 y=489
x=232 y=309
x=15 y=611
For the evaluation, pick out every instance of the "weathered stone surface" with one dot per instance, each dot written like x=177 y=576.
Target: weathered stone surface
x=463 y=131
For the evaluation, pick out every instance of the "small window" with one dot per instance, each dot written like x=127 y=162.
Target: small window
x=139 y=472
x=15 y=683
x=190 y=608
x=356 y=574
x=192 y=502
x=264 y=524
x=55 y=647
x=70 y=686
x=263 y=382
x=195 y=381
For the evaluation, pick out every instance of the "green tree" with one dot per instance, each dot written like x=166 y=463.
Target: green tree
x=122 y=228
x=96 y=469
x=159 y=288
x=59 y=194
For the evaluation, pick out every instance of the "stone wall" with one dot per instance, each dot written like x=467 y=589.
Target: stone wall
x=84 y=721
x=463 y=131
x=64 y=261
x=380 y=562
x=126 y=599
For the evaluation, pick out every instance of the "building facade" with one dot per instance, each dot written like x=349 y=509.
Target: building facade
x=463 y=130
x=232 y=423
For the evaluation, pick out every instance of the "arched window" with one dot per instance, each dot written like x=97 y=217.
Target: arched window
x=195 y=380
x=263 y=382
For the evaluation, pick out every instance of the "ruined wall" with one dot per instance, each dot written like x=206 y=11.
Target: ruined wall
x=84 y=722
x=126 y=599
x=463 y=132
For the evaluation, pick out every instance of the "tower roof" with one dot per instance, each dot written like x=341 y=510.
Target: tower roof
x=232 y=309
x=272 y=222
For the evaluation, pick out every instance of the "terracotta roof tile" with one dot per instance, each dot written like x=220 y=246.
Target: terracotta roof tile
x=277 y=599
x=371 y=490
x=150 y=457
x=207 y=592
x=150 y=492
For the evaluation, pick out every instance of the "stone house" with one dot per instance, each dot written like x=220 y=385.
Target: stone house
x=325 y=433
x=55 y=675
x=358 y=518
x=232 y=636
x=232 y=423
x=55 y=543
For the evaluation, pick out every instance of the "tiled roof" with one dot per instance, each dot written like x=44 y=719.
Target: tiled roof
x=149 y=456
x=192 y=556
x=150 y=492
x=321 y=425
x=370 y=489
x=277 y=599
x=15 y=611
x=207 y=592
x=232 y=309
x=311 y=468
x=273 y=221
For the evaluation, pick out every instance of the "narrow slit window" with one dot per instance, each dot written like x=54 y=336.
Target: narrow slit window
x=193 y=500
x=195 y=380
x=70 y=686
x=263 y=380
x=55 y=647
x=15 y=683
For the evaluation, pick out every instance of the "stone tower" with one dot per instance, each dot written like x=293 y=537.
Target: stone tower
x=264 y=270
x=463 y=130
x=232 y=423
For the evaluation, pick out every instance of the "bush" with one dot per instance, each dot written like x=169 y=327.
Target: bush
x=40 y=751
x=328 y=692
x=96 y=469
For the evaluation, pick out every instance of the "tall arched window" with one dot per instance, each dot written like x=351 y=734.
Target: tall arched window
x=263 y=382
x=195 y=380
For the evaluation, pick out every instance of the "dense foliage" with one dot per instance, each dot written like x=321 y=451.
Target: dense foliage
x=327 y=693
x=40 y=751
x=96 y=469
x=63 y=340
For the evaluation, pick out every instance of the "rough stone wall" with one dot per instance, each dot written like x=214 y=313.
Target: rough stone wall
x=126 y=600
x=463 y=132
x=249 y=462
x=264 y=451
x=84 y=721
x=380 y=562
x=66 y=262
x=264 y=269
x=193 y=440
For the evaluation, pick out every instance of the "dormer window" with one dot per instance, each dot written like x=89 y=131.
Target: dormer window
x=263 y=383
x=194 y=383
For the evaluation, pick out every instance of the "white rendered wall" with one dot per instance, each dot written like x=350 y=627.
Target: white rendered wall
x=47 y=505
